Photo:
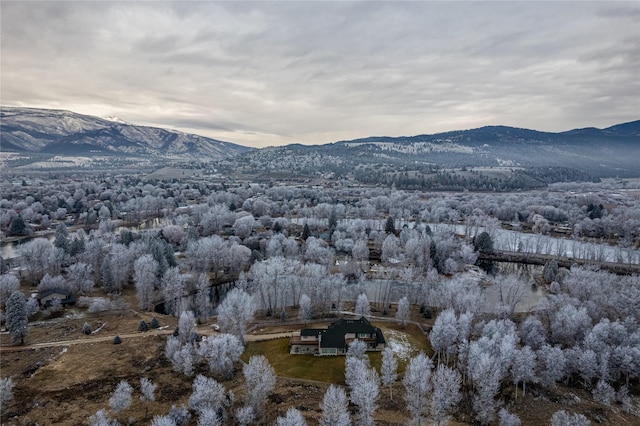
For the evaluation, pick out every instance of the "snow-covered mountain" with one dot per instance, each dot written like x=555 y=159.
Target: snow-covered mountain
x=68 y=133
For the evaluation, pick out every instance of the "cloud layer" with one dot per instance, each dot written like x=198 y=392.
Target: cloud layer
x=262 y=73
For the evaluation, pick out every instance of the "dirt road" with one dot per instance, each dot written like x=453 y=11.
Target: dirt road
x=202 y=331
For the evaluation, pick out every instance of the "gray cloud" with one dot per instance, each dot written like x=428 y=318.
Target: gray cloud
x=268 y=73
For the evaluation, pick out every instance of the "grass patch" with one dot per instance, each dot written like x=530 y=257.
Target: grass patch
x=324 y=369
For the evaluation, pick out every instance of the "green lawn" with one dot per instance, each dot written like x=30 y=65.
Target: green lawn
x=327 y=369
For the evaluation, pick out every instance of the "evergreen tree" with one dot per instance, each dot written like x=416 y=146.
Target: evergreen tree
x=17 y=226
x=389 y=226
x=62 y=238
x=17 y=320
x=306 y=232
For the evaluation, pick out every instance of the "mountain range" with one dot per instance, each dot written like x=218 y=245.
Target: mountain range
x=67 y=133
x=613 y=151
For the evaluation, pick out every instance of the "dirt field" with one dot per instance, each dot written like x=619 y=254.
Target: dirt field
x=64 y=384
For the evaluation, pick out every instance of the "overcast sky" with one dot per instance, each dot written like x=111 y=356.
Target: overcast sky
x=273 y=73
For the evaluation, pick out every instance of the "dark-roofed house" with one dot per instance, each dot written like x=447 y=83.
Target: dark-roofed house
x=335 y=340
x=66 y=297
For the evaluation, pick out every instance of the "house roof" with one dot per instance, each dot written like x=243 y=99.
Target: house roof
x=59 y=291
x=310 y=331
x=334 y=336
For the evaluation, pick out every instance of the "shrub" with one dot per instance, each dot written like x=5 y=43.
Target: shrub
x=86 y=328
x=155 y=323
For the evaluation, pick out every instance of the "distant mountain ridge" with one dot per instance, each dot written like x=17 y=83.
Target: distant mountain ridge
x=68 y=133
x=613 y=151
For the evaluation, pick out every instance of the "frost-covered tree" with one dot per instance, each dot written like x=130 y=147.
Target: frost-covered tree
x=306 y=308
x=203 y=300
x=391 y=249
x=604 y=393
x=6 y=392
x=402 y=314
x=235 y=312
x=145 y=275
x=551 y=365
x=570 y=325
x=587 y=365
x=173 y=284
x=532 y=332
x=362 y=306
x=101 y=418
x=523 y=368
x=417 y=385
x=389 y=369
x=508 y=419
x=16 y=321
x=209 y=417
x=207 y=394
x=444 y=333
x=446 y=384
x=562 y=418
x=182 y=356
x=292 y=417
x=358 y=349
x=186 y=326
x=245 y=415
x=147 y=388
x=121 y=397
x=80 y=278
x=485 y=373
x=179 y=414
x=221 y=352
x=260 y=380
x=335 y=407
x=364 y=393
x=163 y=421
x=8 y=284
x=483 y=242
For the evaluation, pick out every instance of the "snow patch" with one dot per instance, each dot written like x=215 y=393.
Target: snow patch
x=399 y=344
